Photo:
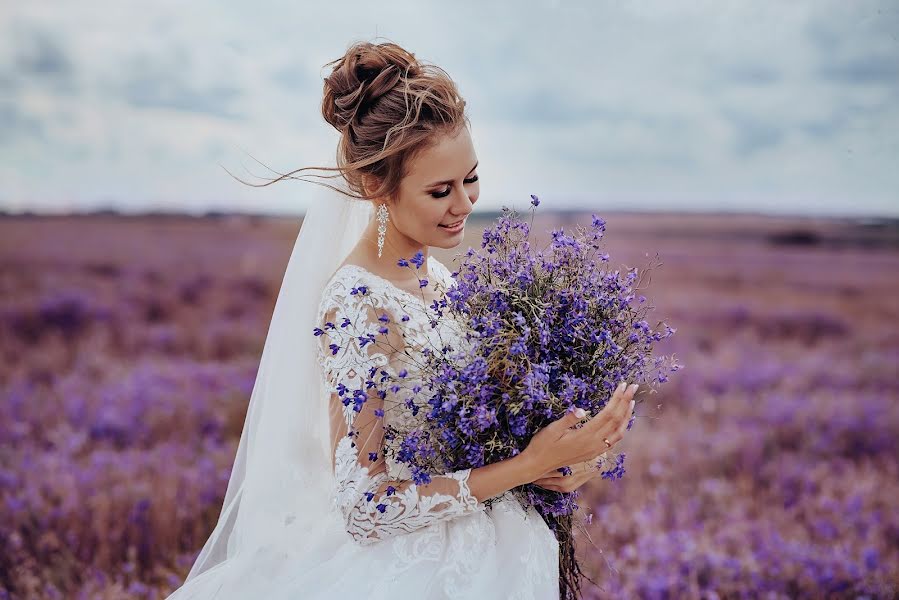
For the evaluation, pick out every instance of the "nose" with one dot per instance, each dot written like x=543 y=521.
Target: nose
x=462 y=204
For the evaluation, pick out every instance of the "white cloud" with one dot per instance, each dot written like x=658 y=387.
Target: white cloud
x=779 y=107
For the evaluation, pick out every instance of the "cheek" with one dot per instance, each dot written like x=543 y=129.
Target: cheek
x=436 y=213
x=426 y=216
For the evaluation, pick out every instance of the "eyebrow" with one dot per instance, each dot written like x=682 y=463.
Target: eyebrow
x=436 y=183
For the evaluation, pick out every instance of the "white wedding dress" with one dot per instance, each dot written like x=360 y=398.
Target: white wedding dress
x=424 y=542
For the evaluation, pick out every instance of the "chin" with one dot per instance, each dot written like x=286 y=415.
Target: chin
x=446 y=244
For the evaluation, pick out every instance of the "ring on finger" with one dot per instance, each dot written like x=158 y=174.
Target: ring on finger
x=608 y=443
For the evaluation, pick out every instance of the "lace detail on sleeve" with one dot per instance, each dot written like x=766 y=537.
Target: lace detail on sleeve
x=374 y=507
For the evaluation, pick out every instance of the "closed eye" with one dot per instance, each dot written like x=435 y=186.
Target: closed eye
x=444 y=193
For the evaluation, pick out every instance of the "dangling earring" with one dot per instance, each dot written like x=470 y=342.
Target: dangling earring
x=382 y=227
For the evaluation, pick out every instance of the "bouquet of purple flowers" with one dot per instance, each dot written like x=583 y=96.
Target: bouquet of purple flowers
x=544 y=333
x=547 y=333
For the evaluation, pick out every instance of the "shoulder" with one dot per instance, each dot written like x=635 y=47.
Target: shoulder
x=350 y=289
x=343 y=285
x=344 y=281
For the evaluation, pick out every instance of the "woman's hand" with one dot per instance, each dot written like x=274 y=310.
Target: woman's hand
x=581 y=473
x=565 y=441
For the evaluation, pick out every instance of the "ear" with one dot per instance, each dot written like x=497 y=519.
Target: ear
x=369 y=184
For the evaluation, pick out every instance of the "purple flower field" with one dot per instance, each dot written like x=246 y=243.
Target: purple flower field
x=768 y=467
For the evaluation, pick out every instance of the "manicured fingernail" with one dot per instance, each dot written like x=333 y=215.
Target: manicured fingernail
x=634 y=387
x=579 y=413
x=620 y=387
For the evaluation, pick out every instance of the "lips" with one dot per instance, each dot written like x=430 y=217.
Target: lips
x=451 y=225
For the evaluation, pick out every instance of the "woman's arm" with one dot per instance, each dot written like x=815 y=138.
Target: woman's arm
x=499 y=477
x=376 y=507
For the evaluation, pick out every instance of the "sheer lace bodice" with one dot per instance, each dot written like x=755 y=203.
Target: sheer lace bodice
x=369 y=328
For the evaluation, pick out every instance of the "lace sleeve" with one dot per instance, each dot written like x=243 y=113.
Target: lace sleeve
x=374 y=507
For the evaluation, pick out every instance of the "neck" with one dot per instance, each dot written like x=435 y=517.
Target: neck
x=396 y=246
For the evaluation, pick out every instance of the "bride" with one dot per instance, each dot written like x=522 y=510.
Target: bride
x=313 y=509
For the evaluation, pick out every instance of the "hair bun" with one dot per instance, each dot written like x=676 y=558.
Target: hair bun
x=371 y=60
x=361 y=76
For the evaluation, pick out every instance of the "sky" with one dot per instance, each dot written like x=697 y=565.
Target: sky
x=737 y=107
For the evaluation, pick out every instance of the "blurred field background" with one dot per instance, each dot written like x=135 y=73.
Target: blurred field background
x=769 y=463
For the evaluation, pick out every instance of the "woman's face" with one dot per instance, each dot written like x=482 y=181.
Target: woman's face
x=440 y=188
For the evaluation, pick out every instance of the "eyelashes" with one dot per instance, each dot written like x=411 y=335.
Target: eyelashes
x=446 y=193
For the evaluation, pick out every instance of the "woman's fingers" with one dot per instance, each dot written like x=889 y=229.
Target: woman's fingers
x=565 y=484
x=610 y=424
x=627 y=403
x=609 y=410
x=629 y=409
x=591 y=465
x=582 y=470
x=556 y=473
x=619 y=405
x=615 y=426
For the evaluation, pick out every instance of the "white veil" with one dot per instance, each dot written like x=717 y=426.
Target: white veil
x=282 y=476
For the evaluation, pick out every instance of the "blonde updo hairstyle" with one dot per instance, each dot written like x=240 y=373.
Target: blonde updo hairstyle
x=388 y=107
